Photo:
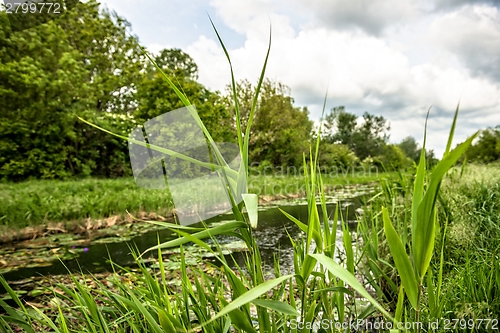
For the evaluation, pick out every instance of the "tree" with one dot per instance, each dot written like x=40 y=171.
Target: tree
x=177 y=63
x=82 y=63
x=410 y=147
x=332 y=155
x=113 y=59
x=367 y=138
x=156 y=97
x=280 y=133
x=340 y=126
x=392 y=158
x=487 y=147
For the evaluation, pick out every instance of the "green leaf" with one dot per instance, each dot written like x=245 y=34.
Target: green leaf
x=431 y=294
x=276 y=306
x=218 y=230
x=307 y=267
x=401 y=259
x=347 y=239
x=348 y=278
x=165 y=322
x=418 y=186
x=240 y=320
x=399 y=306
x=309 y=317
x=210 y=166
x=251 y=203
x=246 y=298
x=424 y=231
x=452 y=131
x=303 y=226
x=336 y=289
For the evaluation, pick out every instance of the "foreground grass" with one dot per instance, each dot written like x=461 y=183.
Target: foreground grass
x=470 y=291
x=41 y=201
x=465 y=280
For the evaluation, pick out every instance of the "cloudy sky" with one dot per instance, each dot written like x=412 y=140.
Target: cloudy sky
x=394 y=58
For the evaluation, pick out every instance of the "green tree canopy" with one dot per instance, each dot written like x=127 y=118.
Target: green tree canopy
x=366 y=137
x=410 y=147
x=280 y=132
x=487 y=147
x=177 y=63
x=82 y=63
x=156 y=97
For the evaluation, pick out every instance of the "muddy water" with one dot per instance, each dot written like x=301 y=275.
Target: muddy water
x=272 y=236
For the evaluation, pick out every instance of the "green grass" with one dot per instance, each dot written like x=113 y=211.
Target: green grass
x=41 y=201
x=463 y=280
x=411 y=255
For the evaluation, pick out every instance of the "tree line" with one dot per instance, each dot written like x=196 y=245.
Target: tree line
x=85 y=63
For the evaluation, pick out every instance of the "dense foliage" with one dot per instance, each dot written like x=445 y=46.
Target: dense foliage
x=82 y=63
x=85 y=63
x=281 y=131
x=487 y=147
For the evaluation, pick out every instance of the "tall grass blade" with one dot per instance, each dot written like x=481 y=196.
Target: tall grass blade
x=348 y=278
x=246 y=298
x=276 y=306
x=452 y=132
x=399 y=306
x=401 y=259
x=254 y=103
x=251 y=203
x=425 y=228
x=211 y=166
x=418 y=188
x=218 y=230
x=233 y=86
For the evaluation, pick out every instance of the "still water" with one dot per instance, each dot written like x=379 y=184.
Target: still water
x=272 y=235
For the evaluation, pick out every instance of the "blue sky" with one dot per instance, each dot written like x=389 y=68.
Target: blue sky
x=395 y=58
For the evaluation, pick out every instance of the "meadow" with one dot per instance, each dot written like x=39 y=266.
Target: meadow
x=72 y=202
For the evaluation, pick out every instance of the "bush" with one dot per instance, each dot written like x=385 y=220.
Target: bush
x=392 y=158
x=337 y=155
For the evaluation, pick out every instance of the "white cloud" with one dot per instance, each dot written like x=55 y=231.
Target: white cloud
x=363 y=72
x=253 y=17
x=452 y=4
x=372 y=16
x=475 y=40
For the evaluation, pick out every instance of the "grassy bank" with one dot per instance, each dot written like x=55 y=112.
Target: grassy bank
x=464 y=279
x=39 y=202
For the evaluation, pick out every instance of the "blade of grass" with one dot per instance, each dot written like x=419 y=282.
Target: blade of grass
x=218 y=230
x=348 y=278
x=401 y=260
x=276 y=306
x=246 y=298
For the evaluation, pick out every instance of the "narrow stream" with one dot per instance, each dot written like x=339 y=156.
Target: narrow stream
x=271 y=235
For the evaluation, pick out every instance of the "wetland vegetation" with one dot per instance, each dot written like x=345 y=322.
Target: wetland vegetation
x=351 y=229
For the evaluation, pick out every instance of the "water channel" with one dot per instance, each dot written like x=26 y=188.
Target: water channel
x=272 y=235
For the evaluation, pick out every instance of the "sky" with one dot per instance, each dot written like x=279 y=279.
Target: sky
x=395 y=58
